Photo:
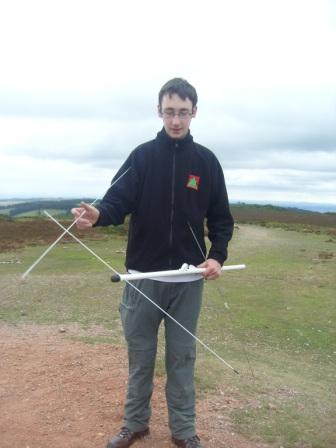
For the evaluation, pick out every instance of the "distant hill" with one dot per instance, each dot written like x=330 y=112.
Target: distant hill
x=36 y=207
x=257 y=213
x=308 y=206
x=242 y=212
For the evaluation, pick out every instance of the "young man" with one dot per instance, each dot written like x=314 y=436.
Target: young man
x=170 y=185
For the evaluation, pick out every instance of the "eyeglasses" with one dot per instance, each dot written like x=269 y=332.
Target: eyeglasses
x=182 y=114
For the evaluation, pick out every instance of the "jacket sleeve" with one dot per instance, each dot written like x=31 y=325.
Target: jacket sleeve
x=219 y=219
x=120 y=198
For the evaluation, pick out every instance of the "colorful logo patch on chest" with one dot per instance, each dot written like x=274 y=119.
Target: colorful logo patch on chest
x=193 y=182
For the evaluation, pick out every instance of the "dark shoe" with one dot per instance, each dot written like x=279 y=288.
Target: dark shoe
x=126 y=438
x=192 y=442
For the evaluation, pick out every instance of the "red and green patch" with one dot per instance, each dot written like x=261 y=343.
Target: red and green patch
x=193 y=181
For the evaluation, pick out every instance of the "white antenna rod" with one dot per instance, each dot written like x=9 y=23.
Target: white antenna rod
x=185 y=270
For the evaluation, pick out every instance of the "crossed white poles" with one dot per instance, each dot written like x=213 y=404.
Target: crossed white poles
x=185 y=270
x=65 y=231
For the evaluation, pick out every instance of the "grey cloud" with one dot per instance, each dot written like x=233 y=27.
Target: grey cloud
x=293 y=119
x=97 y=142
x=287 y=130
x=282 y=181
x=280 y=158
x=120 y=104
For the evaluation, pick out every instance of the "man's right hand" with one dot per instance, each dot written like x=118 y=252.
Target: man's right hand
x=88 y=216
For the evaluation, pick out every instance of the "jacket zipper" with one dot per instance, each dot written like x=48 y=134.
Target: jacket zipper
x=172 y=205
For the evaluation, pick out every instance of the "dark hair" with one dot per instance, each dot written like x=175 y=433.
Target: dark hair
x=181 y=87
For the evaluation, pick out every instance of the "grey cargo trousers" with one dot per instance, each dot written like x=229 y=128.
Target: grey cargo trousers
x=141 y=320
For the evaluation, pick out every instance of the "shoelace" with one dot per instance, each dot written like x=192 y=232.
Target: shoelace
x=125 y=433
x=194 y=442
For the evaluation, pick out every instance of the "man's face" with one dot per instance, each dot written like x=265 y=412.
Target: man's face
x=176 y=114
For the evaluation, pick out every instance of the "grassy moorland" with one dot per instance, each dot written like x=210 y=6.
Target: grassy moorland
x=274 y=322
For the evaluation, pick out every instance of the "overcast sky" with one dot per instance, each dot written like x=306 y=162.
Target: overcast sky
x=79 y=83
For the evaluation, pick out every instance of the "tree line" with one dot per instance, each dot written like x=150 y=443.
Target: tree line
x=39 y=205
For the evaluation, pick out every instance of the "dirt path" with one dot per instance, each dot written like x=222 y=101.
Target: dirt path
x=60 y=393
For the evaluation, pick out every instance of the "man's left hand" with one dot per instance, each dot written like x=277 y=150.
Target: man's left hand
x=213 y=269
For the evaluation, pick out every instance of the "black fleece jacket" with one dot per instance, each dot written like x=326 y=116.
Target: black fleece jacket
x=170 y=188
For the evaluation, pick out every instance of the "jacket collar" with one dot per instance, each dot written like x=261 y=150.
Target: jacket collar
x=164 y=139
